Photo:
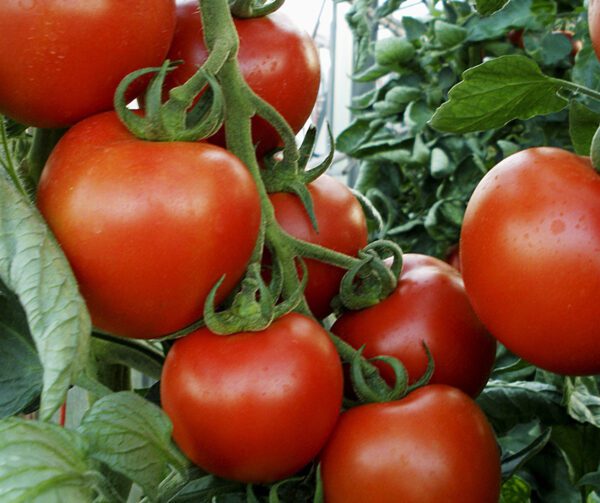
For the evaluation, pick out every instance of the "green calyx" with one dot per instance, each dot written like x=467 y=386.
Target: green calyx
x=254 y=8
x=370 y=280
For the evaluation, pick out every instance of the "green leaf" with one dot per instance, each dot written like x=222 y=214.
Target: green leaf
x=417 y=115
x=583 y=124
x=393 y=52
x=496 y=92
x=35 y=269
x=414 y=28
x=20 y=367
x=371 y=73
x=355 y=135
x=487 y=7
x=449 y=35
x=440 y=165
x=43 y=463
x=590 y=479
x=580 y=448
x=509 y=403
x=583 y=400
x=133 y=437
x=512 y=462
x=515 y=490
x=402 y=94
x=208 y=488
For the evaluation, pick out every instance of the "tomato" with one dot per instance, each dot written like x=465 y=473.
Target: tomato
x=342 y=227
x=253 y=406
x=279 y=61
x=530 y=255
x=515 y=37
x=429 y=305
x=453 y=257
x=433 y=445
x=145 y=225
x=62 y=61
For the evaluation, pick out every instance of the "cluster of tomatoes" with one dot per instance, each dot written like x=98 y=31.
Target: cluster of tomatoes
x=150 y=227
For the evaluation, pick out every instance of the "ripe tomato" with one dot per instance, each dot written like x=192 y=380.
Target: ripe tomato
x=429 y=305
x=279 y=62
x=434 y=445
x=72 y=55
x=342 y=227
x=530 y=247
x=253 y=406
x=145 y=225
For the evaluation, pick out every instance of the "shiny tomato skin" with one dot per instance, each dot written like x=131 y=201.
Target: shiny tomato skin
x=73 y=54
x=253 y=406
x=342 y=227
x=530 y=255
x=279 y=62
x=145 y=225
x=429 y=305
x=433 y=445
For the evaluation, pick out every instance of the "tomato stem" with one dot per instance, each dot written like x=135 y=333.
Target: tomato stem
x=572 y=86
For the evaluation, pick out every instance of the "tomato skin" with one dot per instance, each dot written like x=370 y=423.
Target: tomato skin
x=253 y=406
x=145 y=225
x=342 y=227
x=430 y=305
x=433 y=445
x=74 y=54
x=530 y=247
x=278 y=61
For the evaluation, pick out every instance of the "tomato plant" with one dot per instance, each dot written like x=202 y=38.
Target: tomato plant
x=145 y=226
x=255 y=406
x=429 y=306
x=530 y=248
x=341 y=227
x=278 y=60
x=433 y=445
x=61 y=61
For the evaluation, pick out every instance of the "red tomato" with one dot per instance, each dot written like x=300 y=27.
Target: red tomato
x=61 y=61
x=453 y=257
x=145 y=225
x=434 y=445
x=429 y=305
x=253 y=406
x=342 y=227
x=279 y=62
x=530 y=247
x=515 y=37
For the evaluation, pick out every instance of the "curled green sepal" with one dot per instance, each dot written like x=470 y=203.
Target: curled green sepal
x=253 y=8
x=371 y=280
x=280 y=174
x=368 y=392
x=296 y=297
x=426 y=377
x=176 y=119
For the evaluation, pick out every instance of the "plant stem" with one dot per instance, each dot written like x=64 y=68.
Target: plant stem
x=572 y=86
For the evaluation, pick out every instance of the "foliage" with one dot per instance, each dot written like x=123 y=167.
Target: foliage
x=418 y=177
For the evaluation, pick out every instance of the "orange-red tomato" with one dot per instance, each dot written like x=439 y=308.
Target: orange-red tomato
x=429 y=305
x=433 y=445
x=279 y=61
x=61 y=61
x=530 y=256
x=145 y=225
x=253 y=406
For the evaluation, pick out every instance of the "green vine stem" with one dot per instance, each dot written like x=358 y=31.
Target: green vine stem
x=240 y=106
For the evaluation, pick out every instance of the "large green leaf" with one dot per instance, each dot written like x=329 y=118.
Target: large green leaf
x=487 y=7
x=133 y=437
x=43 y=463
x=35 y=269
x=496 y=92
x=20 y=367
